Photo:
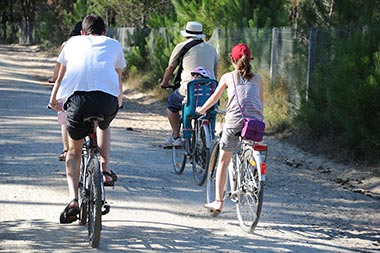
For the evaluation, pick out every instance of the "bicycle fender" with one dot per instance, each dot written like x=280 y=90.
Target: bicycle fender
x=207 y=135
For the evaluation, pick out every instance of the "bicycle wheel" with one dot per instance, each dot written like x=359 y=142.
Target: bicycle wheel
x=201 y=155
x=251 y=192
x=211 y=173
x=95 y=203
x=83 y=200
x=179 y=156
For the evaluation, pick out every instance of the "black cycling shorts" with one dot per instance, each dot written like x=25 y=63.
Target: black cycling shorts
x=84 y=104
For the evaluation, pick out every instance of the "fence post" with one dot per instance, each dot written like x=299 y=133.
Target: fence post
x=274 y=56
x=310 y=59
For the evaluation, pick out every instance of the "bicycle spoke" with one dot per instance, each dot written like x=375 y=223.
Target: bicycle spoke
x=250 y=190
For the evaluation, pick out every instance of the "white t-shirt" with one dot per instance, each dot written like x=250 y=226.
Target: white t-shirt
x=90 y=65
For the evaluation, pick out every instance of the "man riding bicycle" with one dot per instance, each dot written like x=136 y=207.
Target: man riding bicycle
x=202 y=54
x=89 y=82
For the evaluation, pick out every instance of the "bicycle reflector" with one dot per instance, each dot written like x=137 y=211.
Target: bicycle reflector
x=260 y=147
x=252 y=162
x=263 y=168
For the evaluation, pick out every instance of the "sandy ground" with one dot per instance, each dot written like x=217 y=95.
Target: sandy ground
x=310 y=204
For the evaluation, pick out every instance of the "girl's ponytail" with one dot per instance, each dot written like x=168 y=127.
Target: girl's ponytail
x=244 y=67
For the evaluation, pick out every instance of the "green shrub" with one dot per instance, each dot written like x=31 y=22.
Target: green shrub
x=344 y=99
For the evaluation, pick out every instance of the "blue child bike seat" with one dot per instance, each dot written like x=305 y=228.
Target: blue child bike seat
x=198 y=91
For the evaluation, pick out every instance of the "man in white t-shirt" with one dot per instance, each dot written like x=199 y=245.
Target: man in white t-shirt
x=203 y=54
x=89 y=82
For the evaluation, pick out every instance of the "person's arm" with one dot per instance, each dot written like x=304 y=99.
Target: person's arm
x=168 y=74
x=57 y=66
x=53 y=103
x=172 y=65
x=213 y=99
x=120 y=98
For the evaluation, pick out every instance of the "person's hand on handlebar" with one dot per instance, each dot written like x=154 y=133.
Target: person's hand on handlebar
x=167 y=86
x=199 y=110
x=163 y=85
x=55 y=105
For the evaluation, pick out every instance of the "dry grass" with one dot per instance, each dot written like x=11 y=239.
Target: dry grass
x=276 y=106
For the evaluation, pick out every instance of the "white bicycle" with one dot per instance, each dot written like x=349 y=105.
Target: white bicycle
x=245 y=181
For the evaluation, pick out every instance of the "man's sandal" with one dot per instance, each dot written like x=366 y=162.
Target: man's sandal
x=70 y=214
x=112 y=175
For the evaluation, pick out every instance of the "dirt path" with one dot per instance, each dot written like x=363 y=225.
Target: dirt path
x=153 y=209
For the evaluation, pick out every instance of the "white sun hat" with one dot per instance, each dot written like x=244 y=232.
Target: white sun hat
x=193 y=29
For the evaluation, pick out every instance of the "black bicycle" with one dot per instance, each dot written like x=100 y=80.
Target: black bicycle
x=91 y=187
x=197 y=148
x=197 y=131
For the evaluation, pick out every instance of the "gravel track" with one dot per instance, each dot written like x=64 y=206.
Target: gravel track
x=309 y=204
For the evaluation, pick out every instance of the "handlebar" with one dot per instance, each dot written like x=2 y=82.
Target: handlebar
x=170 y=87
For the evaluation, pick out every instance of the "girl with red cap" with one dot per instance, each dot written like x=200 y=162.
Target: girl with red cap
x=243 y=85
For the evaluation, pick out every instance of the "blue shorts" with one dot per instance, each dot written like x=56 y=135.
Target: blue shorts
x=175 y=101
x=83 y=104
x=229 y=139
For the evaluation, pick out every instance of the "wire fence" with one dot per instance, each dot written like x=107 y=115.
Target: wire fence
x=281 y=53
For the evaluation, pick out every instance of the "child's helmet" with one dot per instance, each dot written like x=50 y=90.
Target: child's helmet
x=205 y=73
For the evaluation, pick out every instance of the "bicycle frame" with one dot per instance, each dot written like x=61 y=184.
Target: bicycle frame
x=257 y=150
x=92 y=192
x=203 y=121
x=90 y=151
x=237 y=159
x=245 y=180
x=196 y=147
x=196 y=131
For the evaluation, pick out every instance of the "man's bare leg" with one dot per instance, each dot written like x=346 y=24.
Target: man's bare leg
x=174 y=121
x=104 y=145
x=73 y=159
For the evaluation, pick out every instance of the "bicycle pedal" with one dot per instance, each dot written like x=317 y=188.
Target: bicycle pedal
x=234 y=196
x=234 y=199
x=105 y=208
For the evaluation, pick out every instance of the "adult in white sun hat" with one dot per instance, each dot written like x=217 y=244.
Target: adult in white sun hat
x=202 y=54
x=193 y=29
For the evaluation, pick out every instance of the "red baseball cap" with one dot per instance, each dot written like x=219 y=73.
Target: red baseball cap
x=239 y=50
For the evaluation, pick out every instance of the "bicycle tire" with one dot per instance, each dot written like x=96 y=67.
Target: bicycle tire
x=83 y=201
x=95 y=203
x=251 y=192
x=211 y=173
x=179 y=156
x=201 y=155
